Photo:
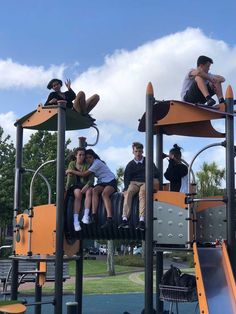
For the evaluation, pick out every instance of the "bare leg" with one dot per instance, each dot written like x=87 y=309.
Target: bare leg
x=217 y=87
x=77 y=201
x=97 y=190
x=91 y=102
x=108 y=190
x=88 y=198
x=77 y=207
x=80 y=103
x=202 y=86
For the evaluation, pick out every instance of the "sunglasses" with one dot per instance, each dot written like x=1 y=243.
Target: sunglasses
x=81 y=154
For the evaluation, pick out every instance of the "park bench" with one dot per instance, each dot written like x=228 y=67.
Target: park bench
x=27 y=272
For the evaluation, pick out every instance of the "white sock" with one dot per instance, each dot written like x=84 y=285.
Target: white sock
x=141 y=218
x=76 y=217
x=86 y=212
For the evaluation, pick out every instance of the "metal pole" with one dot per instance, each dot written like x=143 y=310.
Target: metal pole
x=149 y=202
x=159 y=158
x=38 y=293
x=17 y=201
x=230 y=179
x=38 y=298
x=61 y=127
x=72 y=307
x=159 y=254
x=79 y=280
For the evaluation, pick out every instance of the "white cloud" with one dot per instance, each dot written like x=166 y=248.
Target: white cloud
x=7 y=121
x=121 y=81
x=13 y=74
x=115 y=156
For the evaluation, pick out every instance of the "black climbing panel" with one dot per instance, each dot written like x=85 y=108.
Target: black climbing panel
x=94 y=231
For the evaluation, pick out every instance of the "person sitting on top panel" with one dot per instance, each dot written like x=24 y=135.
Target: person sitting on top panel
x=200 y=85
x=134 y=182
x=80 y=104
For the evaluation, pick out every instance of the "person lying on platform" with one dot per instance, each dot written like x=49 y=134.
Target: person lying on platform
x=200 y=85
x=134 y=182
x=80 y=104
x=79 y=186
x=177 y=172
x=106 y=185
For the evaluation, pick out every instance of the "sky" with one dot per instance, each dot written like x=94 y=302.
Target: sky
x=113 y=48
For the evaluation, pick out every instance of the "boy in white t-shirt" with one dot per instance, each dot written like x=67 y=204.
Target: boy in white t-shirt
x=199 y=85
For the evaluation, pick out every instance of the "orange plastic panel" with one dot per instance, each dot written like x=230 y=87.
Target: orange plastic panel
x=229 y=276
x=13 y=308
x=200 y=286
x=39 y=116
x=71 y=249
x=189 y=113
x=21 y=247
x=43 y=237
x=174 y=198
x=44 y=229
x=207 y=204
x=42 y=275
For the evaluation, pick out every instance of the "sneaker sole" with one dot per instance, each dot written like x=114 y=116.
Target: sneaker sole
x=123 y=227
x=141 y=229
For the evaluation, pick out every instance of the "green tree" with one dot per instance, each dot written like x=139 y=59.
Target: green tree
x=7 y=160
x=41 y=147
x=120 y=177
x=209 y=179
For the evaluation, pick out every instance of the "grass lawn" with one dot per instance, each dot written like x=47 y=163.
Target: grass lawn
x=97 y=281
x=98 y=267
x=111 y=284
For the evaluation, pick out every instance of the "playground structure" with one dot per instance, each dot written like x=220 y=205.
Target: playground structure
x=173 y=220
x=215 y=272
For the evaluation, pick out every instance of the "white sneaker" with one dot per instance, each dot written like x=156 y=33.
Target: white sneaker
x=86 y=220
x=77 y=226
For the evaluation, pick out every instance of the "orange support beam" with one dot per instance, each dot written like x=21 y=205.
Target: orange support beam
x=200 y=285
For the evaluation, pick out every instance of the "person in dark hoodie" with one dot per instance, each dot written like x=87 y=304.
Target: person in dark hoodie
x=176 y=171
x=134 y=182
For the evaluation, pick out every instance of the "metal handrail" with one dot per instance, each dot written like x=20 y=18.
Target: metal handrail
x=97 y=138
x=45 y=180
x=32 y=181
x=203 y=149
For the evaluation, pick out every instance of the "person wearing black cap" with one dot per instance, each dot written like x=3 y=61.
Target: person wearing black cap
x=80 y=104
x=57 y=94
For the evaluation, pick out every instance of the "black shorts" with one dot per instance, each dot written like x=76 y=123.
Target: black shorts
x=77 y=186
x=112 y=183
x=195 y=96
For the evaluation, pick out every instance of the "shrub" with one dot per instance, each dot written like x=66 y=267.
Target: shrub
x=129 y=260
